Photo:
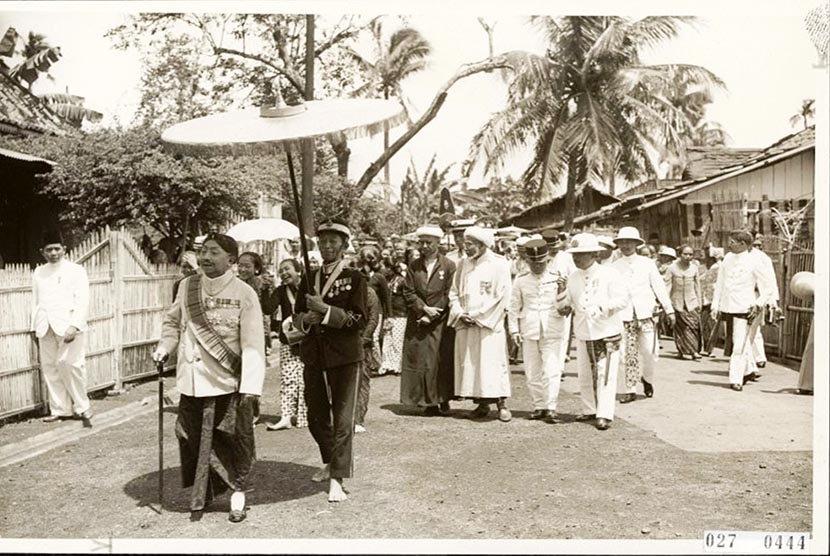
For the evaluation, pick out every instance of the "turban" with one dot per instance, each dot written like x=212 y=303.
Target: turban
x=484 y=235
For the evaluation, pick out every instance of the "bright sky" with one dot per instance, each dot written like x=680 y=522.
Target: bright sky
x=760 y=49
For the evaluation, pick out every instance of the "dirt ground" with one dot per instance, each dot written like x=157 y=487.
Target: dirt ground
x=417 y=477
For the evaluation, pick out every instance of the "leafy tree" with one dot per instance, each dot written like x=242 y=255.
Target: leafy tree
x=805 y=115
x=115 y=178
x=225 y=58
x=395 y=58
x=587 y=107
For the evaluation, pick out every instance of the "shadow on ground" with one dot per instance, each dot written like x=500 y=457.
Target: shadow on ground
x=710 y=383
x=273 y=481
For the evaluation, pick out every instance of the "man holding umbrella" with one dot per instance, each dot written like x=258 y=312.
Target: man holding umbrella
x=332 y=317
x=216 y=325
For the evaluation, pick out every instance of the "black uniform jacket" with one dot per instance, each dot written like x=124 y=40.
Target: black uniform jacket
x=338 y=342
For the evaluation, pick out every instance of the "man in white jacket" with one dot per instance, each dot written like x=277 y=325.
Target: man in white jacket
x=536 y=325
x=60 y=291
x=645 y=288
x=215 y=328
x=595 y=296
x=741 y=290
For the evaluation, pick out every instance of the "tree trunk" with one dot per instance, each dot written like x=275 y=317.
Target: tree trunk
x=570 y=193
x=307 y=201
x=386 y=177
x=341 y=152
x=465 y=70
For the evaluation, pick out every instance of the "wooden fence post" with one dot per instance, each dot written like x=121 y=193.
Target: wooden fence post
x=117 y=276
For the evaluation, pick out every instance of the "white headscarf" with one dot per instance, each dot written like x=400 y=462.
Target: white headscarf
x=484 y=235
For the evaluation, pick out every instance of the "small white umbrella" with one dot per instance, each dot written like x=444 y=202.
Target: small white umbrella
x=263 y=229
x=508 y=230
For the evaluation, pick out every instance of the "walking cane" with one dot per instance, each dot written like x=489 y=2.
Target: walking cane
x=160 y=367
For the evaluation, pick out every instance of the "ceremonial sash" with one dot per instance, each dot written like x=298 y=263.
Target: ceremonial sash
x=204 y=332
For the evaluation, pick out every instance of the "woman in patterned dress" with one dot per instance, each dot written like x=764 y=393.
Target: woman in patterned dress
x=292 y=400
x=684 y=291
x=395 y=325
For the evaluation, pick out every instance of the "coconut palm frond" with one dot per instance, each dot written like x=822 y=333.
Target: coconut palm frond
x=654 y=30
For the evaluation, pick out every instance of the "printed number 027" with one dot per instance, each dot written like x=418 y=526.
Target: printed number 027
x=720 y=540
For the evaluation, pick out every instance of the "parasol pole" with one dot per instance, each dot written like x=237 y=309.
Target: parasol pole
x=296 y=194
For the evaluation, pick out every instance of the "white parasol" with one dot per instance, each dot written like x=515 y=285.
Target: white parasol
x=269 y=129
x=260 y=130
x=263 y=229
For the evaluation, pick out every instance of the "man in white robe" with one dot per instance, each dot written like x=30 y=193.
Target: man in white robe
x=479 y=298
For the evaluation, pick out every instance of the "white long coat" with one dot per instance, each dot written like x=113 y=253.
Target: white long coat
x=481 y=288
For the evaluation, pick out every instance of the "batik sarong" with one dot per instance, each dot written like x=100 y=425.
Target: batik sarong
x=216 y=445
x=631 y=353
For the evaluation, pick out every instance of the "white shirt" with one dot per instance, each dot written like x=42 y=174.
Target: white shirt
x=739 y=276
x=643 y=285
x=532 y=310
x=769 y=271
x=60 y=293
x=597 y=298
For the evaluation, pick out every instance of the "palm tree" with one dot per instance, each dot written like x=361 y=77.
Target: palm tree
x=420 y=195
x=806 y=114
x=589 y=107
x=404 y=53
x=71 y=108
x=38 y=57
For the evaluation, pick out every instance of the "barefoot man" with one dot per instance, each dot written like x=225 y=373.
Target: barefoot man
x=332 y=353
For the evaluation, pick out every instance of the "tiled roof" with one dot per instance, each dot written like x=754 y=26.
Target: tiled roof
x=709 y=161
x=22 y=113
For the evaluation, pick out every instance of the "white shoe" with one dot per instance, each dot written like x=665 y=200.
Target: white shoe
x=359 y=428
x=282 y=424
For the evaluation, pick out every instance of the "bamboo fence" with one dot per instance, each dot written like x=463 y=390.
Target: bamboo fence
x=128 y=296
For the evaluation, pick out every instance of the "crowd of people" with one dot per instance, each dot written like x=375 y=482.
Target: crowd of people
x=448 y=317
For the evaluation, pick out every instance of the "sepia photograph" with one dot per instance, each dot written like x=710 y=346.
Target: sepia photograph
x=414 y=277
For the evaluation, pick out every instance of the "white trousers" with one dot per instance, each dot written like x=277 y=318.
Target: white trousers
x=65 y=373
x=543 y=370
x=597 y=399
x=741 y=362
x=758 y=351
x=649 y=352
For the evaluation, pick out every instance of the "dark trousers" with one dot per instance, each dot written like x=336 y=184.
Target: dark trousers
x=331 y=397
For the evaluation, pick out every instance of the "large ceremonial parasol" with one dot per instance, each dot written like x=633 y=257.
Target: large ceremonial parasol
x=280 y=127
x=263 y=229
